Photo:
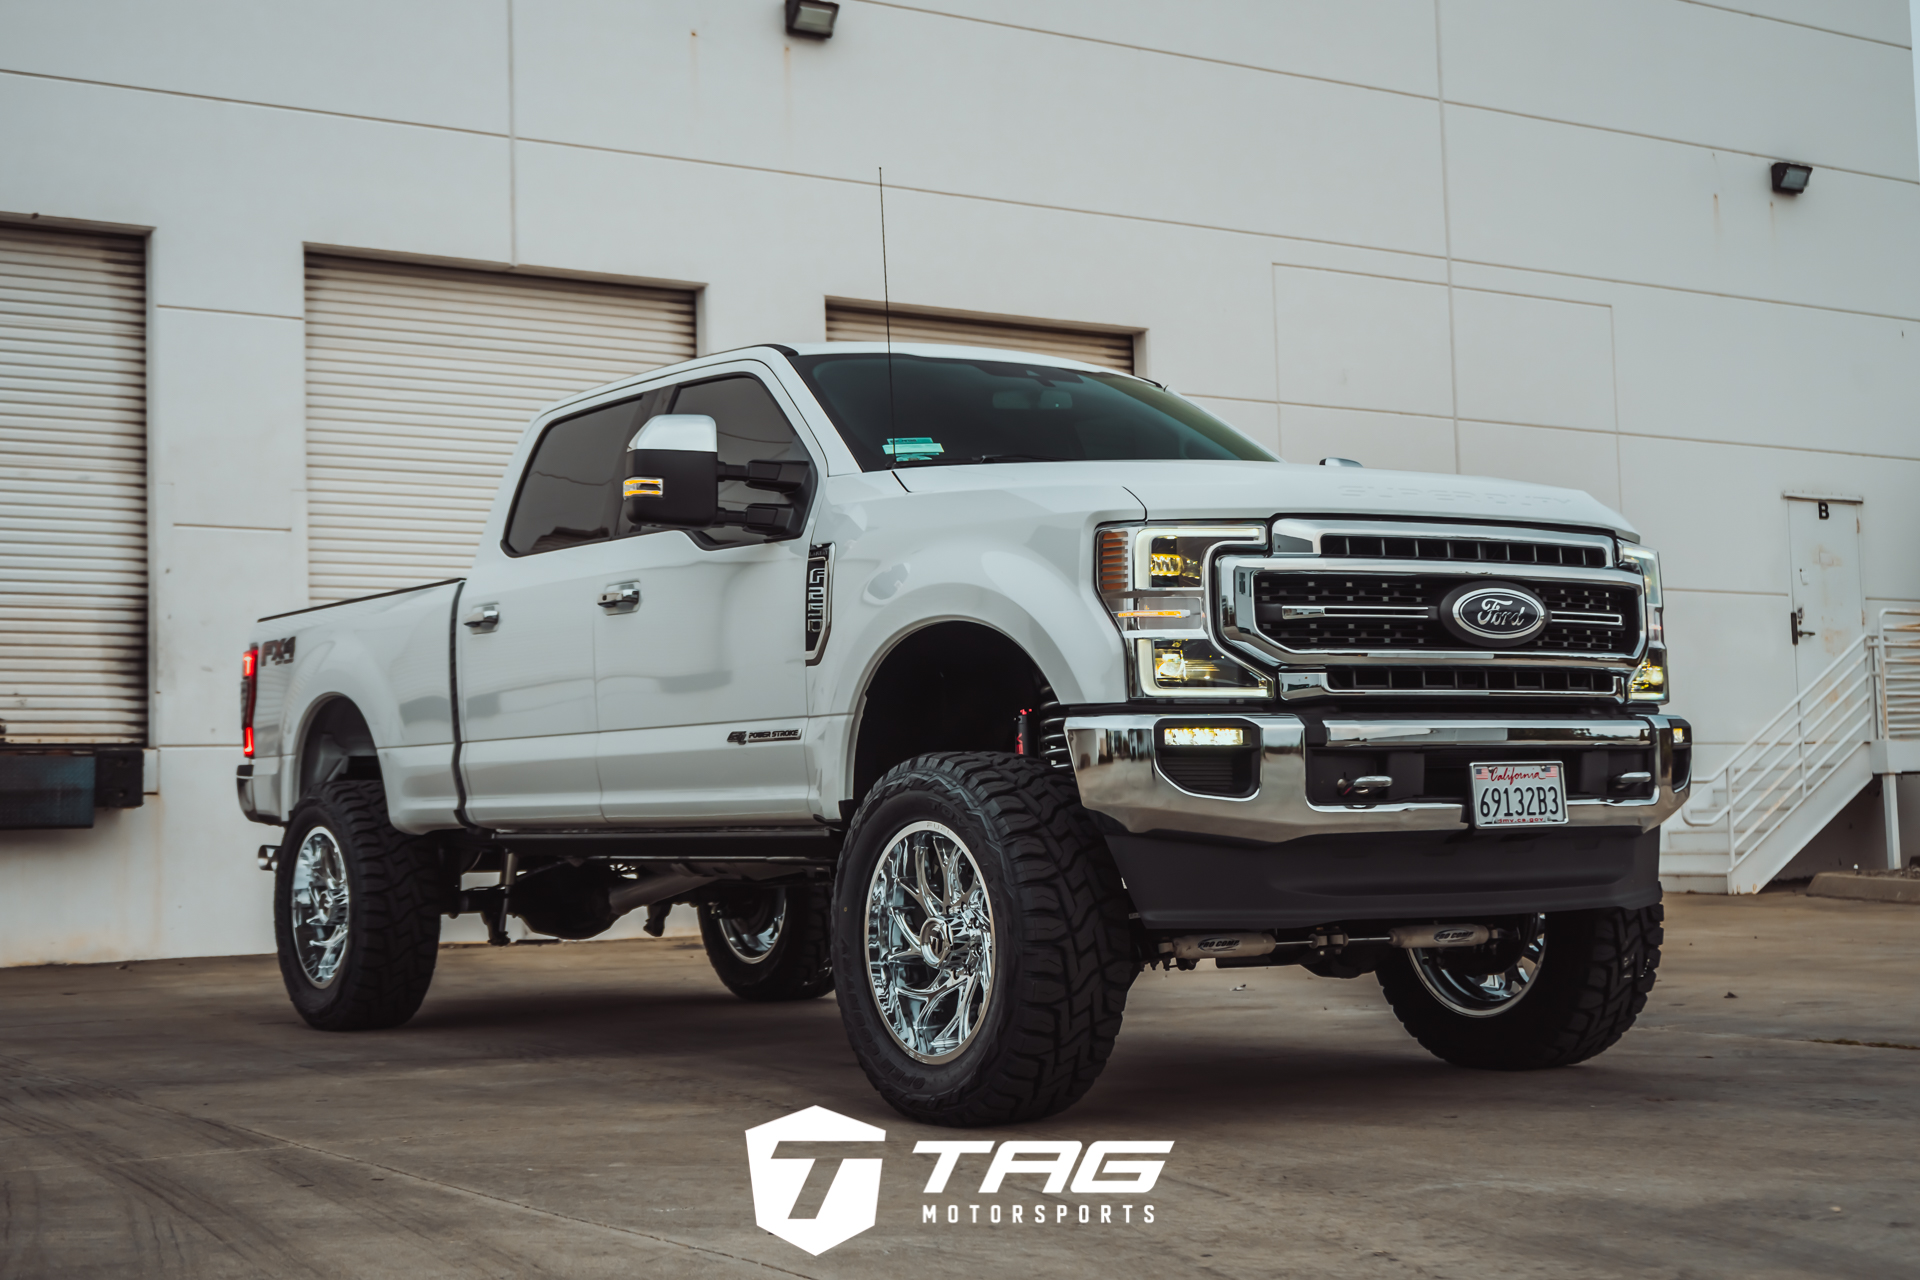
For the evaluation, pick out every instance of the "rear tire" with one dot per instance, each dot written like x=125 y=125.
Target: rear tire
x=1594 y=971
x=982 y=930
x=772 y=944
x=356 y=911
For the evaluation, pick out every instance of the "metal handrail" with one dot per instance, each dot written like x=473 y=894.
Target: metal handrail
x=1870 y=690
x=1772 y=735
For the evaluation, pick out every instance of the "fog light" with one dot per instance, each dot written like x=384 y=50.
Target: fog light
x=1203 y=736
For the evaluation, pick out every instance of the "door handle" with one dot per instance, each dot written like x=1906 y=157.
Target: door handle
x=621 y=597
x=1794 y=619
x=482 y=618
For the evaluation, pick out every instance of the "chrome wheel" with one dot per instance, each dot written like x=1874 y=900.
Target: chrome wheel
x=318 y=906
x=752 y=933
x=1474 y=995
x=929 y=942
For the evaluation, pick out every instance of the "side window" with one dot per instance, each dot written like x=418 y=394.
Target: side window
x=752 y=428
x=571 y=492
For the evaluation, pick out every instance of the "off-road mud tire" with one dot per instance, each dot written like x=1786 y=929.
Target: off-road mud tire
x=1063 y=953
x=1595 y=973
x=395 y=900
x=799 y=965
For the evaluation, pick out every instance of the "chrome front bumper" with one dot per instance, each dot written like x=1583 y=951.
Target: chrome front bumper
x=1113 y=761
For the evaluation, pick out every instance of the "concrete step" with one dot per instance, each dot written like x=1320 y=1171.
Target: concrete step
x=1681 y=839
x=1695 y=864
x=1693 y=884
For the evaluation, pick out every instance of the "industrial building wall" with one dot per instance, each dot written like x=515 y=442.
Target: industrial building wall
x=1489 y=236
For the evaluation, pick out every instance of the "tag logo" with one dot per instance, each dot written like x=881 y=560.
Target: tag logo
x=852 y=1199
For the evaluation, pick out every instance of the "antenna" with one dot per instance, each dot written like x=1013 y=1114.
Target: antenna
x=886 y=295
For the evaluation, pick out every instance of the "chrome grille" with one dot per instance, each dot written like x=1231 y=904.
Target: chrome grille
x=1313 y=611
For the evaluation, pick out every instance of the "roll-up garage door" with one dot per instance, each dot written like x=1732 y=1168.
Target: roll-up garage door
x=420 y=381
x=846 y=323
x=73 y=487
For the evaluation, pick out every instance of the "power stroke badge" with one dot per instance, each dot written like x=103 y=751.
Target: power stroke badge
x=786 y=1157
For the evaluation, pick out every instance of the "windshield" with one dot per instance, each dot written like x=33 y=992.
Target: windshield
x=935 y=411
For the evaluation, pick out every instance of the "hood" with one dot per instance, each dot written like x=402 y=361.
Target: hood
x=1220 y=490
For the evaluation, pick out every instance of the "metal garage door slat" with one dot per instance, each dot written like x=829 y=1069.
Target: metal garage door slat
x=847 y=323
x=73 y=487
x=420 y=381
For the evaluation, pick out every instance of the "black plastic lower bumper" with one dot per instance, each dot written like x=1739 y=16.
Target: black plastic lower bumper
x=1188 y=882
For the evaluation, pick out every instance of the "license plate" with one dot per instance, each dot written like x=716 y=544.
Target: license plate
x=1519 y=795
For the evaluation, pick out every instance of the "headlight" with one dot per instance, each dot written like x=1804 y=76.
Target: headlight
x=1652 y=682
x=1153 y=580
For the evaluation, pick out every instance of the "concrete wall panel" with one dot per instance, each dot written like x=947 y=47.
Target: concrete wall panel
x=1350 y=341
x=226 y=425
x=1390 y=441
x=1586 y=460
x=436 y=62
x=1388 y=44
x=1691 y=73
x=1534 y=194
x=1172 y=139
x=1533 y=360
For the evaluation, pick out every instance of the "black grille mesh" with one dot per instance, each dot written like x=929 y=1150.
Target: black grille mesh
x=1274 y=591
x=1470 y=679
x=1479 y=550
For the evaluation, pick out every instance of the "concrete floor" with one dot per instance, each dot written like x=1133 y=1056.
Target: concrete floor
x=175 y=1118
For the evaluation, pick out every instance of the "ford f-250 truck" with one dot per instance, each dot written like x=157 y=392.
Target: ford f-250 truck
x=975 y=682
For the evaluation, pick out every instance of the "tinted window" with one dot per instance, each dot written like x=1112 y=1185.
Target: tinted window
x=752 y=428
x=928 y=411
x=571 y=493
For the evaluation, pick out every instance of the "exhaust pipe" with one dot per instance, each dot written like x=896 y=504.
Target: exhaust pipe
x=653 y=889
x=1427 y=936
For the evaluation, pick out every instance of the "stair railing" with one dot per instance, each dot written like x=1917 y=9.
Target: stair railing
x=1775 y=770
x=1899 y=702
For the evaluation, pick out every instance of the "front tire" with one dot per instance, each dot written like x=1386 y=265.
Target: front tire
x=771 y=944
x=356 y=909
x=982 y=929
x=1570 y=984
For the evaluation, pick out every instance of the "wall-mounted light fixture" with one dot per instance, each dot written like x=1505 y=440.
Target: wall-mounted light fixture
x=1790 y=177
x=812 y=18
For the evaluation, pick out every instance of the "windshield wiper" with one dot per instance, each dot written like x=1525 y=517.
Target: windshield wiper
x=977 y=459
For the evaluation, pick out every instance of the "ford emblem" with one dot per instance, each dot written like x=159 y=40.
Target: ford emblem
x=1494 y=615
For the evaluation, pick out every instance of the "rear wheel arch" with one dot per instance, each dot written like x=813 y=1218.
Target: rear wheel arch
x=335 y=744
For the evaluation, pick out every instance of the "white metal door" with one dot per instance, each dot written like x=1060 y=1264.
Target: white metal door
x=420 y=381
x=528 y=714
x=702 y=683
x=848 y=322
x=73 y=487
x=1829 y=610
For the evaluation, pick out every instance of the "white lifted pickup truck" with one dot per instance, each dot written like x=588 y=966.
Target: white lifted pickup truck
x=976 y=682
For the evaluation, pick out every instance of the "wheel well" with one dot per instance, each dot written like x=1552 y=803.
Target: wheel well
x=337 y=744
x=953 y=686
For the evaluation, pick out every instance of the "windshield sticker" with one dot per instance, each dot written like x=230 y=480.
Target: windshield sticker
x=917 y=448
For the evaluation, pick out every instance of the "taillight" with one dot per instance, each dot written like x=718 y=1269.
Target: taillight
x=249 y=686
